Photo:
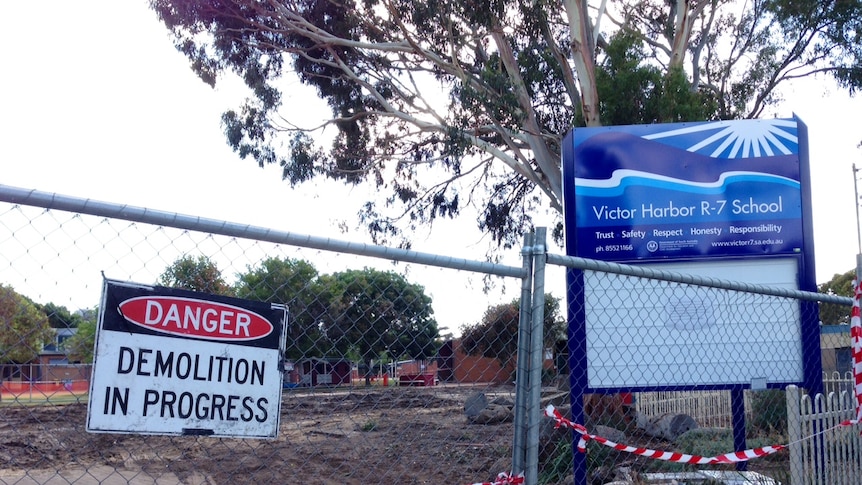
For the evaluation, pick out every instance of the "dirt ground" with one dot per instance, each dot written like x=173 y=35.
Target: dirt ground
x=340 y=436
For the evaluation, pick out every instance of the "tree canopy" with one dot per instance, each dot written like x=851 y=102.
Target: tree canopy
x=361 y=313
x=444 y=105
x=24 y=329
x=195 y=274
x=841 y=285
x=60 y=316
x=374 y=312
x=294 y=283
x=80 y=346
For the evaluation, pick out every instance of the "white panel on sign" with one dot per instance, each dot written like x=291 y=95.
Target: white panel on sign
x=642 y=333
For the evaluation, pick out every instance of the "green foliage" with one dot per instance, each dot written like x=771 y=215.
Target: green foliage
x=559 y=464
x=80 y=346
x=628 y=87
x=769 y=411
x=496 y=335
x=633 y=90
x=701 y=442
x=357 y=314
x=24 y=329
x=841 y=285
x=296 y=284
x=705 y=441
x=678 y=100
x=836 y=28
x=60 y=317
x=371 y=312
x=710 y=442
x=195 y=274
x=369 y=425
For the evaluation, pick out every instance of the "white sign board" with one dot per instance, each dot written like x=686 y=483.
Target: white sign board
x=176 y=362
x=643 y=333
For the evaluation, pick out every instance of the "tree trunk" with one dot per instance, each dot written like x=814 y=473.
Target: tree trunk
x=583 y=55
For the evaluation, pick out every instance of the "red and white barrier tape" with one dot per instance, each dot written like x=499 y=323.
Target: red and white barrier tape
x=735 y=457
x=856 y=347
x=505 y=479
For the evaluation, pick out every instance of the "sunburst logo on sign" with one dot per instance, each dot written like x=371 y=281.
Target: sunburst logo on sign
x=734 y=139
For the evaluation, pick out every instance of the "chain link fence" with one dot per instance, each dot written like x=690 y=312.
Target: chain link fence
x=713 y=350
x=376 y=388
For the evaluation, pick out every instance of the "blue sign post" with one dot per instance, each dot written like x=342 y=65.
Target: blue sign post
x=728 y=199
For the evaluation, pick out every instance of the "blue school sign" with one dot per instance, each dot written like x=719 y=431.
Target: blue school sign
x=729 y=200
x=657 y=192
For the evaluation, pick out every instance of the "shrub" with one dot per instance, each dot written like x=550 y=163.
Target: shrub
x=769 y=411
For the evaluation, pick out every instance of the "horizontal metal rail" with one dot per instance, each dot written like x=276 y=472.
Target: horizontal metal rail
x=48 y=200
x=651 y=273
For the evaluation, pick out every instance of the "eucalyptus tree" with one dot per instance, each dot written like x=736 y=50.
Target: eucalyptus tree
x=447 y=104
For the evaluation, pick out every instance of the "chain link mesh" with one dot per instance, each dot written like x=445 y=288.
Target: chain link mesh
x=376 y=388
x=642 y=332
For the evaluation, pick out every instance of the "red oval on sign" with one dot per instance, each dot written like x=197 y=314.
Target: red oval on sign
x=195 y=318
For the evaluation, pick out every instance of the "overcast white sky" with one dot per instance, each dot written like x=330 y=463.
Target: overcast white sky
x=97 y=103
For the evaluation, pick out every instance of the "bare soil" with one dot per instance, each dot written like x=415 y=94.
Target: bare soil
x=340 y=436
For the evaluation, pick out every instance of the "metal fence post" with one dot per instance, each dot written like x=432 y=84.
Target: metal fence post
x=521 y=375
x=536 y=356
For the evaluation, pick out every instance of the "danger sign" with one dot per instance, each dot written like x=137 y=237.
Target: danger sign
x=176 y=362
x=196 y=318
